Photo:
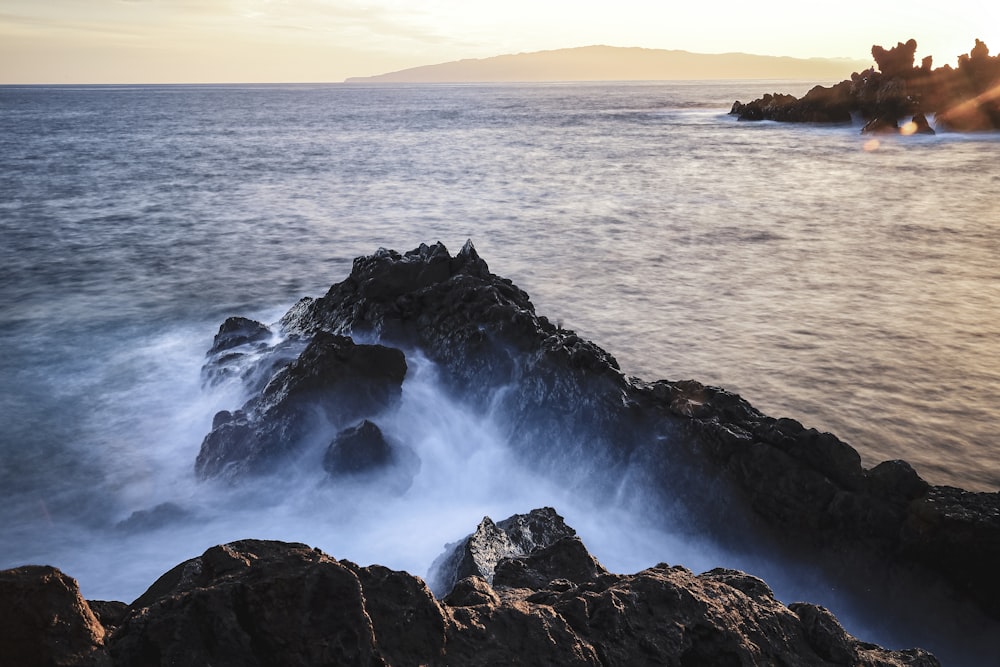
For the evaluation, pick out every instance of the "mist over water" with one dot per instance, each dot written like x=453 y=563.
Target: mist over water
x=855 y=291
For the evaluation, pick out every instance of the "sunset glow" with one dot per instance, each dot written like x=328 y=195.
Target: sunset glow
x=151 y=41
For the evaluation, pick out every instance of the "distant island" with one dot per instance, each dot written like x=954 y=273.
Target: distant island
x=612 y=63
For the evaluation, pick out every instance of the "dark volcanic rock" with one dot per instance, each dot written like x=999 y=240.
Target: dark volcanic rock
x=964 y=99
x=45 y=622
x=255 y=602
x=357 y=449
x=237 y=331
x=566 y=559
x=921 y=125
x=769 y=486
x=269 y=603
x=363 y=452
x=479 y=553
x=558 y=605
x=332 y=382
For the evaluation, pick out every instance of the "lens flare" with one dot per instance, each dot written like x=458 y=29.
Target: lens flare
x=871 y=145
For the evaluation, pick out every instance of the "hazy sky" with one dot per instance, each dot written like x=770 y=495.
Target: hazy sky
x=103 y=41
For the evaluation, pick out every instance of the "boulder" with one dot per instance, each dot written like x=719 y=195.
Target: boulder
x=363 y=453
x=919 y=125
x=358 y=449
x=268 y=603
x=238 y=331
x=558 y=605
x=46 y=622
x=333 y=381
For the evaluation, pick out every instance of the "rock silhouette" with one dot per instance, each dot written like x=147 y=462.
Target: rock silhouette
x=964 y=99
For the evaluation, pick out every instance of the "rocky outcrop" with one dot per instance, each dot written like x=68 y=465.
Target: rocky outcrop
x=255 y=602
x=46 y=622
x=333 y=381
x=819 y=105
x=479 y=553
x=966 y=98
x=768 y=484
x=363 y=453
x=811 y=488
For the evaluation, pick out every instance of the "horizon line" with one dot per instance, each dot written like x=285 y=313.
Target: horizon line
x=351 y=79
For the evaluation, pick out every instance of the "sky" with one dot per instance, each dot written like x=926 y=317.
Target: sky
x=236 y=41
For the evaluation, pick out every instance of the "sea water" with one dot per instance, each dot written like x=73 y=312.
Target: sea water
x=846 y=282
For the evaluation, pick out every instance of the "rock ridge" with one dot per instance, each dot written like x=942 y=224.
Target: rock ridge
x=257 y=602
x=736 y=471
x=754 y=484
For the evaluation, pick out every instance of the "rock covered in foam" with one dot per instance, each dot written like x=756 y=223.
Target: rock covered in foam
x=736 y=474
x=363 y=453
x=479 y=553
x=332 y=381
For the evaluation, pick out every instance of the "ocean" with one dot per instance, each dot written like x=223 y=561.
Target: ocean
x=848 y=283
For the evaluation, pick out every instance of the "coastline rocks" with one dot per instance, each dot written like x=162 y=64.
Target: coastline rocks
x=811 y=489
x=363 y=453
x=738 y=477
x=819 y=105
x=333 y=381
x=964 y=99
x=46 y=622
x=479 y=553
x=257 y=602
x=358 y=449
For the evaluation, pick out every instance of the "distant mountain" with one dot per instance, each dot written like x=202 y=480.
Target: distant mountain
x=613 y=63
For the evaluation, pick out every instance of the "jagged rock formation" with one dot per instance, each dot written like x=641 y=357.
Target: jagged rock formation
x=271 y=603
x=479 y=553
x=741 y=476
x=363 y=453
x=965 y=99
x=333 y=381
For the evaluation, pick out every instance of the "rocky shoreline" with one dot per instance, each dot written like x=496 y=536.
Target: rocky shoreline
x=961 y=99
x=324 y=377
x=257 y=602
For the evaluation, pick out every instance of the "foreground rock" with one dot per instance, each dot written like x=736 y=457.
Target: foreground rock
x=46 y=622
x=271 y=603
x=964 y=99
x=768 y=486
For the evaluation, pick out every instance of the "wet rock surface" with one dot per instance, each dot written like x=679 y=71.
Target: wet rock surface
x=479 y=553
x=767 y=485
x=257 y=602
x=333 y=381
x=964 y=98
